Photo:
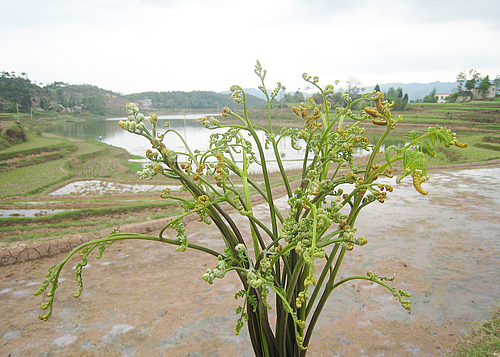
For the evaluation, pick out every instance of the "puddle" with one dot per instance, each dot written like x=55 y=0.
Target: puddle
x=98 y=187
x=117 y=330
x=65 y=340
x=21 y=212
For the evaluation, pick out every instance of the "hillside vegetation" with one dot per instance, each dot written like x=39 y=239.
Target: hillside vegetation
x=42 y=161
x=18 y=94
x=177 y=100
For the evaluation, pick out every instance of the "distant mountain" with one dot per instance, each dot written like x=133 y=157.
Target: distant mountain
x=250 y=92
x=418 y=90
x=415 y=90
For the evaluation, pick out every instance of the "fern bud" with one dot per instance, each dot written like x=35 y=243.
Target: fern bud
x=153 y=118
x=123 y=124
x=131 y=108
x=226 y=112
x=140 y=127
x=205 y=122
x=158 y=169
x=240 y=248
x=165 y=193
x=459 y=144
x=361 y=241
x=139 y=118
x=417 y=182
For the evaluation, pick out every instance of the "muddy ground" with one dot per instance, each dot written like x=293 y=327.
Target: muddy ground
x=145 y=299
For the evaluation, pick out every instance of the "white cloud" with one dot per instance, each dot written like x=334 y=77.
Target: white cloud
x=133 y=45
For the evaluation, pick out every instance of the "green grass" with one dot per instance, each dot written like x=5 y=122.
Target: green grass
x=81 y=159
x=481 y=342
x=45 y=231
x=473 y=153
x=31 y=179
x=35 y=142
x=89 y=147
x=471 y=114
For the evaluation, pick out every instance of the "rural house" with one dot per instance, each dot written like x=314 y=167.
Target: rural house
x=478 y=94
x=442 y=97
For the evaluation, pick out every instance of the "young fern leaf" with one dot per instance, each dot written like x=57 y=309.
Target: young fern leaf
x=387 y=153
x=52 y=277
x=399 y=294
x=411 y=135
x=426 y=148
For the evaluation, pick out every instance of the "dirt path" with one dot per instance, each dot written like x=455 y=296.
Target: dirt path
x=145 y=299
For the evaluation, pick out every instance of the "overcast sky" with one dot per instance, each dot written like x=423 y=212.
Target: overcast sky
x=132 y=46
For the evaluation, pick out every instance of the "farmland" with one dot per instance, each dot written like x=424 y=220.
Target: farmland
x=33 y=168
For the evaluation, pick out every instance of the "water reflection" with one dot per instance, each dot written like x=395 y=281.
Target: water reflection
x=197 y=137
x=21 y=212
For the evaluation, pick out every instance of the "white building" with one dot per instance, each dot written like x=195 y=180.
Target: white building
x=442 y=97
x=145 y=103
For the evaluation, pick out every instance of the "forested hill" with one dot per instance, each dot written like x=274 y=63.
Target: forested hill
x=192 y=100
x=19 y=93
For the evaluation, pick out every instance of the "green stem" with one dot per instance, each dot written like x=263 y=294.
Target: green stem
x=244 y=179
x=324 y=298
x=321 y=279
x=376 y=149
x=281 y=168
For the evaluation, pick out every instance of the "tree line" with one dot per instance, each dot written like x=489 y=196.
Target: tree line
x=466 y=81
x=355 y=90
x=175 y=100
x=19 y=93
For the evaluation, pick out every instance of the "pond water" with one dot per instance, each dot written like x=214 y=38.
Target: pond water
x=189 y=126
x=20 y=212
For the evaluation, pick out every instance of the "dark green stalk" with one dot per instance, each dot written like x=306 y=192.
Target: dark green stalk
x=281 y=168
x=376 y=149
x=324 y=298
x=272 y=208
x=321 y=279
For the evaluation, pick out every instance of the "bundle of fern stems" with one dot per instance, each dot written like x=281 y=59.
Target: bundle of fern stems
x=290 y=261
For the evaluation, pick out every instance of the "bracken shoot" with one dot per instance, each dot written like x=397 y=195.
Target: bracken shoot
x=296 y=254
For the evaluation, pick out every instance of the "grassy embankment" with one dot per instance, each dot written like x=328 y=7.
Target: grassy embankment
x=476 y=123
x=28 y=169
x=483 y=341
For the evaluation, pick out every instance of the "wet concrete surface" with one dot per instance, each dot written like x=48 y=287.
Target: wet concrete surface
x=145 y=299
